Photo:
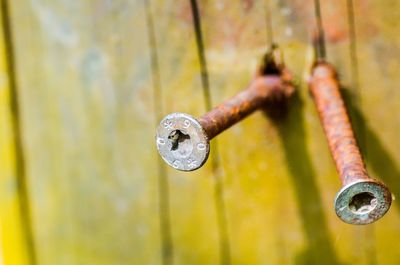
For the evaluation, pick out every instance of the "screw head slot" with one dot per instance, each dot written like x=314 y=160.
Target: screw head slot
x=363 y=202
x=182 y=142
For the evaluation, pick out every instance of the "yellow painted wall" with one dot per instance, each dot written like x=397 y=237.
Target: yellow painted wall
x=86 y=97
x=13 y=243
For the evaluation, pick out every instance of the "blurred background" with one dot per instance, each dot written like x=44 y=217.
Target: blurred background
x=84 y=83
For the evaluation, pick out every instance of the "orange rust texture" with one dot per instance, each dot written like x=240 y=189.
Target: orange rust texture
x=334 y=23
x=324 y=87
x=262 y=90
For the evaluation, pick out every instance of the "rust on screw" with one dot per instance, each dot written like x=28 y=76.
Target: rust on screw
x=183 y=141
x=260 y=91
x=362 y=199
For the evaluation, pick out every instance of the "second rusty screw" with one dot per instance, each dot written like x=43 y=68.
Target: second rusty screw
x=362 y=199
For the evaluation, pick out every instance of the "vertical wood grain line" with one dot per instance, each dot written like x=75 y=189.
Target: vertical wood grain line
x=201 y=54
x=268 y=21
x=20 y=169
x=163 y=181
x=224 y=243
x=320 y=38
x=355 y=77
x=353 y=48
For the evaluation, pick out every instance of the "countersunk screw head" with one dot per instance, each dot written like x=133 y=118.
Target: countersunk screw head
x=182 y=142
x=363 y=202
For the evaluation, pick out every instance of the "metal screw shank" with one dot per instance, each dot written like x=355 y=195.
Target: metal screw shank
x=362 y=200
x=184 y=141
x=241 y=105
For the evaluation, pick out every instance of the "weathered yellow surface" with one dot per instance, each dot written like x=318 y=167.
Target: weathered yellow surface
x=13 y=243
x=86 y=94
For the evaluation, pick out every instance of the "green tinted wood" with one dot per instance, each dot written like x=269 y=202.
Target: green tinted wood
x=86 y=90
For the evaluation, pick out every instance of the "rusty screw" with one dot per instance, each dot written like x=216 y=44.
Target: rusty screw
x=361 y=200
x=184 y=141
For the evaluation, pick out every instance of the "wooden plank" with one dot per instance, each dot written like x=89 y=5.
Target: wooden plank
x=84 y=79
x=377 y=49
x=14 y=247
x=88 y=116
x=193 y=208
x=275 y=206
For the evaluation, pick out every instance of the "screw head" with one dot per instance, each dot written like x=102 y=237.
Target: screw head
x=363 y=202
x=182 y=142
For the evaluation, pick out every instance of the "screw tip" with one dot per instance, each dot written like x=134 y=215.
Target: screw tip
x=182 y=142
x=363 y=202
